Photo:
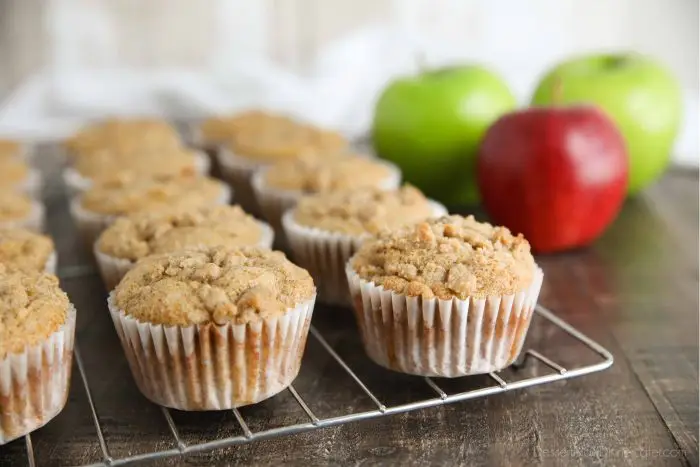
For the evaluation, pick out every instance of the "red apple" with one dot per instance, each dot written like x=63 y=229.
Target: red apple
x=558 y=175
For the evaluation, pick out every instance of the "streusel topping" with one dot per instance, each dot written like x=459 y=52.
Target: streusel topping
x=138 y=235
x=24 y=250
x=318 y=174
x=9 y=148
x=225 y=127
x=126 y=134
x=14 y=205
x=108 y=164
x=447 y=257
x=146 y=194
x=213 y=285
x=32 y=307
x=12 y=171
x=363 y=211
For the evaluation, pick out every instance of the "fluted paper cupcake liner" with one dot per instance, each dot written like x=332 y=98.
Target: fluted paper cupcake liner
x=324 y=254
x=434 y=337
x=211 y=367
x=34 y=220
x=113 y=269
x=274 y=203
x=51 y=263
x=238 y=171
x=31 y=186
x=90 y=224
x=77 y=183
x=34 y=384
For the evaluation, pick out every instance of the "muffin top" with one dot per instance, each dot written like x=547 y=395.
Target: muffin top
x=318 y=174
x=447 y=257
x=226 y=127
x=12 y=171
x=213 y=285
x=147 y=194
x=106 y=164
x=141 y=234
x=363 y=211
x=127 y=134
x=32 y=307
x=9 y=148
x=24 y=250
x=14 y=205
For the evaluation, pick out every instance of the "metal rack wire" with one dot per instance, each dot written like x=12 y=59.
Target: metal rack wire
x=314 y=422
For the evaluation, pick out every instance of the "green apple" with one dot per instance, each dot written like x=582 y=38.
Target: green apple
x=638 y=93
x=431 y=125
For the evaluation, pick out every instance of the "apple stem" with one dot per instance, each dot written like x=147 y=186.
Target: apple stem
x=557 y=91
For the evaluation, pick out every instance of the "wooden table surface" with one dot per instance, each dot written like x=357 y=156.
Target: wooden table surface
x=635 y=292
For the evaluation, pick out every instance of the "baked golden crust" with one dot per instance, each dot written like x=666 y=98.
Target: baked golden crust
x=14 y=205
x=141 y=234
x=24 y=250
x=213 y=285
x=447 y=257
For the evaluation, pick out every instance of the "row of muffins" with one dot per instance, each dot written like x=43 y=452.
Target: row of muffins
x=446 y=297
x=20 y=187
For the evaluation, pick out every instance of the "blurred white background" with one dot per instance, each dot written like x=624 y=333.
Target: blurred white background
x=325 y=60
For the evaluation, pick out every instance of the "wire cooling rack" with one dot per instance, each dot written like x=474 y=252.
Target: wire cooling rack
x=314 y=422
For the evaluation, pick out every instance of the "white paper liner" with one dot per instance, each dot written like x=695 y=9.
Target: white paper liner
x=274 y=203
x=211 y=367
x=90 y=224
x=324 y=254
x=34 y=220
x=238 y=171
x=434 y=337
x=34 y=384
x=77 y=183
x=32 y=186
x=51 y=263
x=113 y=269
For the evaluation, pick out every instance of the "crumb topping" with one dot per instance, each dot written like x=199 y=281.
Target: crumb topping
x=213 y=285
x=32 y=307
x=141 y=234
x=108 y=164
x=24 y=250
x=125 y=134
x=121 y=197
x=318 y=174
x=12 y=170
x=9 y=148
x=226 y=127
x=447 y=257
x=363 y=211
x=14 y=205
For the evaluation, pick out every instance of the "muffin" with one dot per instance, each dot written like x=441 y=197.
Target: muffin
x=127 y=134
x=444 y=297
x=133 y=237
x=17 y=210
x=213 y=328
x=324 y=230
x=109 y=165
x=99 y=206
x=218 y=129
x=279 y=187
x=258 y=140
x=27 y=251
x=37 y=325
x=15 y=174
x=11 y=149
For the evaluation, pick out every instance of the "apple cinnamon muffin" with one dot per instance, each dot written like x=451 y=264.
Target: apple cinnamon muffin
x=17 y=210
x=11 y=149
x=241 y=316
x=15 y=174
x=110 y=164
x=27 y=251
x=98 y=207
x=138 y=235
x=37 y=325
x=279 y=187
x=325 y=230
x=258 y=139
x=472 y=287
